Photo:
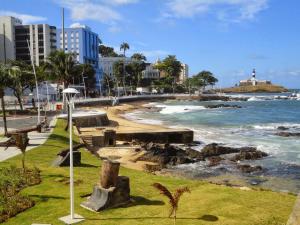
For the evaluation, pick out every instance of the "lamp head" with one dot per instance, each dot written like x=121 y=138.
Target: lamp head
x=70 y=93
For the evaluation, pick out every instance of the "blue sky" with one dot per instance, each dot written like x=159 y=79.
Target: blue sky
x=227 y=37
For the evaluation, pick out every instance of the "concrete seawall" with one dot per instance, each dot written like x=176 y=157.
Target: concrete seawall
x=163 y=136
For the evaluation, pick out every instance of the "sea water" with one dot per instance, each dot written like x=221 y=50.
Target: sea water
x=254 y=124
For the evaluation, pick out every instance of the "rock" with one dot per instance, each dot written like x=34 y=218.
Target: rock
x=167 y=155
x=222 y=106
x=282 y=128
x=245 y=168
x=214 y=161
x=194 y=143
x=288 y=134
x=215 y=149
x=248 y=154
x=194 y=154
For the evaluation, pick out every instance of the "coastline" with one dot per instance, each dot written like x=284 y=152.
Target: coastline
x=229 y=179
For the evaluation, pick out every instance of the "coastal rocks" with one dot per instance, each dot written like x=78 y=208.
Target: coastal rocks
x=222 y=106
x=215 y=149
x=245 y=168
x=165 y=155
x=282 y=128
x=288 y=134
x=214 y=161
x=194 y=154
x=249 y=154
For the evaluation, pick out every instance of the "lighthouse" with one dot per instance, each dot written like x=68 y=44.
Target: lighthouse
x=253 y=79
x=253 y=73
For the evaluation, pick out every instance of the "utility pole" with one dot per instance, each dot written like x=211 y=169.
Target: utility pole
x=4 y=44
x=2 y=99
x=63 y=45
x=36 y=82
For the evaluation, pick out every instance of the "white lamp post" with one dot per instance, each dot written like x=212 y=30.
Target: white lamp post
x=72 y=218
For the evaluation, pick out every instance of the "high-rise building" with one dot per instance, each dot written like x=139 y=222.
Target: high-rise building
x=184 y=73
x=14 y=36
x=7 y=37
x=83 y=43
x=41 y=38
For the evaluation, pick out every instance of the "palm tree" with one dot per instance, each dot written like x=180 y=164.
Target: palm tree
x=3 y=84
x=139 y=57
x=15 y=77
x=138 y=66
x=124 y=46
x=63 y=66
x=173 y=199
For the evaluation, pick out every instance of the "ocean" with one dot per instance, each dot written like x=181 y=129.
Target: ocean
x=254 y=124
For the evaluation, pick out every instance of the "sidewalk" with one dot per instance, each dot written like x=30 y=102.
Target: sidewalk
x=35 y=139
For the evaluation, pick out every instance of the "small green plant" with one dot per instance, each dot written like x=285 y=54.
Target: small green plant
x=173 y=199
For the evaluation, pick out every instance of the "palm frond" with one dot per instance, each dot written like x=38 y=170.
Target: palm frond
x=164 y=191
x=179 y=192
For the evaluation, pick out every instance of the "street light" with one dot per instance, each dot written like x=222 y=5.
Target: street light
x=72 y=218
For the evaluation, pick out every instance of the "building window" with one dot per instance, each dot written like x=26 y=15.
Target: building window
x=77 y=34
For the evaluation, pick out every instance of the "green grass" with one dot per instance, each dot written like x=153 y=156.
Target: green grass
x=228 y=205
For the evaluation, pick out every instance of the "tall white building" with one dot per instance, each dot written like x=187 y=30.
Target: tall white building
x=42 y=40
x=183 y=74
x=7 y=37
x=41 y=37
x=107 y=63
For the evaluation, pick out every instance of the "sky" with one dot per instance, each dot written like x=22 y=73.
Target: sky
x=227 y=37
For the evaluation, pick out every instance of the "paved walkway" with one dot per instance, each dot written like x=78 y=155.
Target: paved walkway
x=35 y=139
x=295 y=215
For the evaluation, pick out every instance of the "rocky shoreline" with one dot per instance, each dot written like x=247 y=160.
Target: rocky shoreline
x=166 y=155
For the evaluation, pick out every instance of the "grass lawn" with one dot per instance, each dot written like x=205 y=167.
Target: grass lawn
x=207 y=203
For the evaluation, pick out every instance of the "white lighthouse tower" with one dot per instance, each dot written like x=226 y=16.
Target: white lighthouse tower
x=253 y=78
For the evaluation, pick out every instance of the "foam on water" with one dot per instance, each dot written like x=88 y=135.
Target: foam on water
x=172 y=109
x=136 y=117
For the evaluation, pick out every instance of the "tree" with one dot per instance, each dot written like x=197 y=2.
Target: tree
x=3 y=84
x=108 y=83
x=62 y=66
x=124 y=46
x=136 y=67
x=106 y=51
x=207 y=78
x=118 y=68
x=173 y=199
x=19 y=79
x=172 y=68
x=85 y=73
x=139 y=57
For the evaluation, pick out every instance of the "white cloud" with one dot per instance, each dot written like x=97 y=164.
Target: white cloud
x=91 y=10
x=121 y=2
x=76 y=25
x=26 y=18
x=225 y=10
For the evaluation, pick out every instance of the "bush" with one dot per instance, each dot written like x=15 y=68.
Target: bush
x=12 y=181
